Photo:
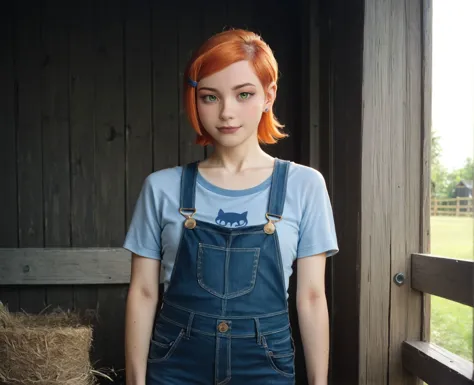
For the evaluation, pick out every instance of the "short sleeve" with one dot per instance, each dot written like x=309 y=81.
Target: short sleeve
x=144 y=234
x=317 y=233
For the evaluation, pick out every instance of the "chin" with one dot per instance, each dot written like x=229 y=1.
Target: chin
x=229 y=142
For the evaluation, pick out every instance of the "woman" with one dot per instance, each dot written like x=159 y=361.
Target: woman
x=222 y=235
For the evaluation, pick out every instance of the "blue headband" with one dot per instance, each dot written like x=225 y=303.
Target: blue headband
x=192 y=83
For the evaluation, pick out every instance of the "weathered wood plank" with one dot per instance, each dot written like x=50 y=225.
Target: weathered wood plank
x=61 y=266
x=214 y=18
x=240 y=14
x=55 y=124
x=405 y=69
x=342 y=167
x=390 y=183
x=82 y=126
x=8 y=156
x=111 y=326
x=444 y=277
x=376 y=205
x=110 y=170
x=435 y=365
x=391 y=175
x=30 y=175
x=139 y=157
x=427 y=22
x=109 y=120
x=189 y=39
x=9 y=296
x=165 y=96
x=29 y=61
x=309 y=133
x=411 y=325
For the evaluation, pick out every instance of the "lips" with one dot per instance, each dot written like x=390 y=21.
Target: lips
x=228 y=129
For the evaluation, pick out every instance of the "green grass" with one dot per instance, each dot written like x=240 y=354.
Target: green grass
x=452 y=237
x=451 y=323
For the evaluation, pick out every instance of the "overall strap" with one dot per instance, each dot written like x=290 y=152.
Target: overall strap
x=276 y=201
x=188 y=186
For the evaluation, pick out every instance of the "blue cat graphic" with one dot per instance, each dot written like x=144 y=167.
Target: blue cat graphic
x=231 y=219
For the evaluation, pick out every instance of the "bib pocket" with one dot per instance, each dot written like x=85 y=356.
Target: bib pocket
x=227 y=272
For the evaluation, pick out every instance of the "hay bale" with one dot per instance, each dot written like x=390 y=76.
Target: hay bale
x=46 y=349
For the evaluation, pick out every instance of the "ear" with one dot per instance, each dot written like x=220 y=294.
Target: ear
x=270 y=95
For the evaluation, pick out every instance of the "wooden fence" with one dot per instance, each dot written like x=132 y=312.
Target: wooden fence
x=452 y=206
x=451 y=279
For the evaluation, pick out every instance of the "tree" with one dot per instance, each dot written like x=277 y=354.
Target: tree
x=443 y=182
x=467 y=172
x=435 y=148
x=438 y=171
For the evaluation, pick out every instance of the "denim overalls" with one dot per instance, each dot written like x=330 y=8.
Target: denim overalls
x=224 y=318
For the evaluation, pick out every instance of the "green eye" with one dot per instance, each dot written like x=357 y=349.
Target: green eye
x=209 y=98
x=245 y=95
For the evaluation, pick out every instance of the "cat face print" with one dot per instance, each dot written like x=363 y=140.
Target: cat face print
x=231 y=219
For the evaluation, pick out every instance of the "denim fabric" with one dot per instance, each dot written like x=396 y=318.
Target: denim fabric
x=225 y=319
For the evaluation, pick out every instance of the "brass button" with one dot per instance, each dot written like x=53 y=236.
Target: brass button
x=190 y=223
x=223 y=327
x=269 y=228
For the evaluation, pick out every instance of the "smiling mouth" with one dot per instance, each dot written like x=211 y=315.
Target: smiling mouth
x=228 y=129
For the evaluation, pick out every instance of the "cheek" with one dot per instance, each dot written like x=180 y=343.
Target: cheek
x=253 y=111
x=204 y=112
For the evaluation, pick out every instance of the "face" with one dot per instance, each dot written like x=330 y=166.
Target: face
x=231 y=103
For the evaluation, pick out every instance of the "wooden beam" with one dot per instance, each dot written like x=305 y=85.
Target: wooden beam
x=341 y=25
x=60 y=266
x=391 y=215
x=427 y=27
x=435 y=365
x=444 y=277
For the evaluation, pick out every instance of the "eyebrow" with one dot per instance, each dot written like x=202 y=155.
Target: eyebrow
x=233 y=88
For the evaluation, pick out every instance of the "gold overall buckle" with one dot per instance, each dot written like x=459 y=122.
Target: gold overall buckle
x=270 y=228
x=189 y=222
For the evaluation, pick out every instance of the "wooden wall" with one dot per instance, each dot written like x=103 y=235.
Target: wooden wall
x=395 y=184
x=90 y=105
x=341 y=34
x=375 y=104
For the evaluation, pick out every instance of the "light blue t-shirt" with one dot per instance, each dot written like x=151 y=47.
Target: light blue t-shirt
x=307 y=227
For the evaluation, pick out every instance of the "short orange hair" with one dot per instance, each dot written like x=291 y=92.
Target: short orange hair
x=220 y=51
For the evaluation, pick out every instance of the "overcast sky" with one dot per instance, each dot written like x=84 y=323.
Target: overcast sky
x=453 y=79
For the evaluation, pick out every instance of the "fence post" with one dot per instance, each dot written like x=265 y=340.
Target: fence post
x=458 y=206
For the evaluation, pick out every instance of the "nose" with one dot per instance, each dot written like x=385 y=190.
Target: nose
x=227 y=111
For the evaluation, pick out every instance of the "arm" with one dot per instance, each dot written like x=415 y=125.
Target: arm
x=140 y=313
x=313 y=317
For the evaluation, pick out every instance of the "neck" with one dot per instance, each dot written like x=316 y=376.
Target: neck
x=247 y=155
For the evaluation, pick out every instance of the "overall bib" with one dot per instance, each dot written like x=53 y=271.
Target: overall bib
x=224 y=318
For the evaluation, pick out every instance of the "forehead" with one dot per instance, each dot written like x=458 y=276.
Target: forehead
x=237 y=73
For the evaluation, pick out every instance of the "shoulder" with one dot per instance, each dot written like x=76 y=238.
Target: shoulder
x=163 y=184
x=164 y=178
x=306 y=179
